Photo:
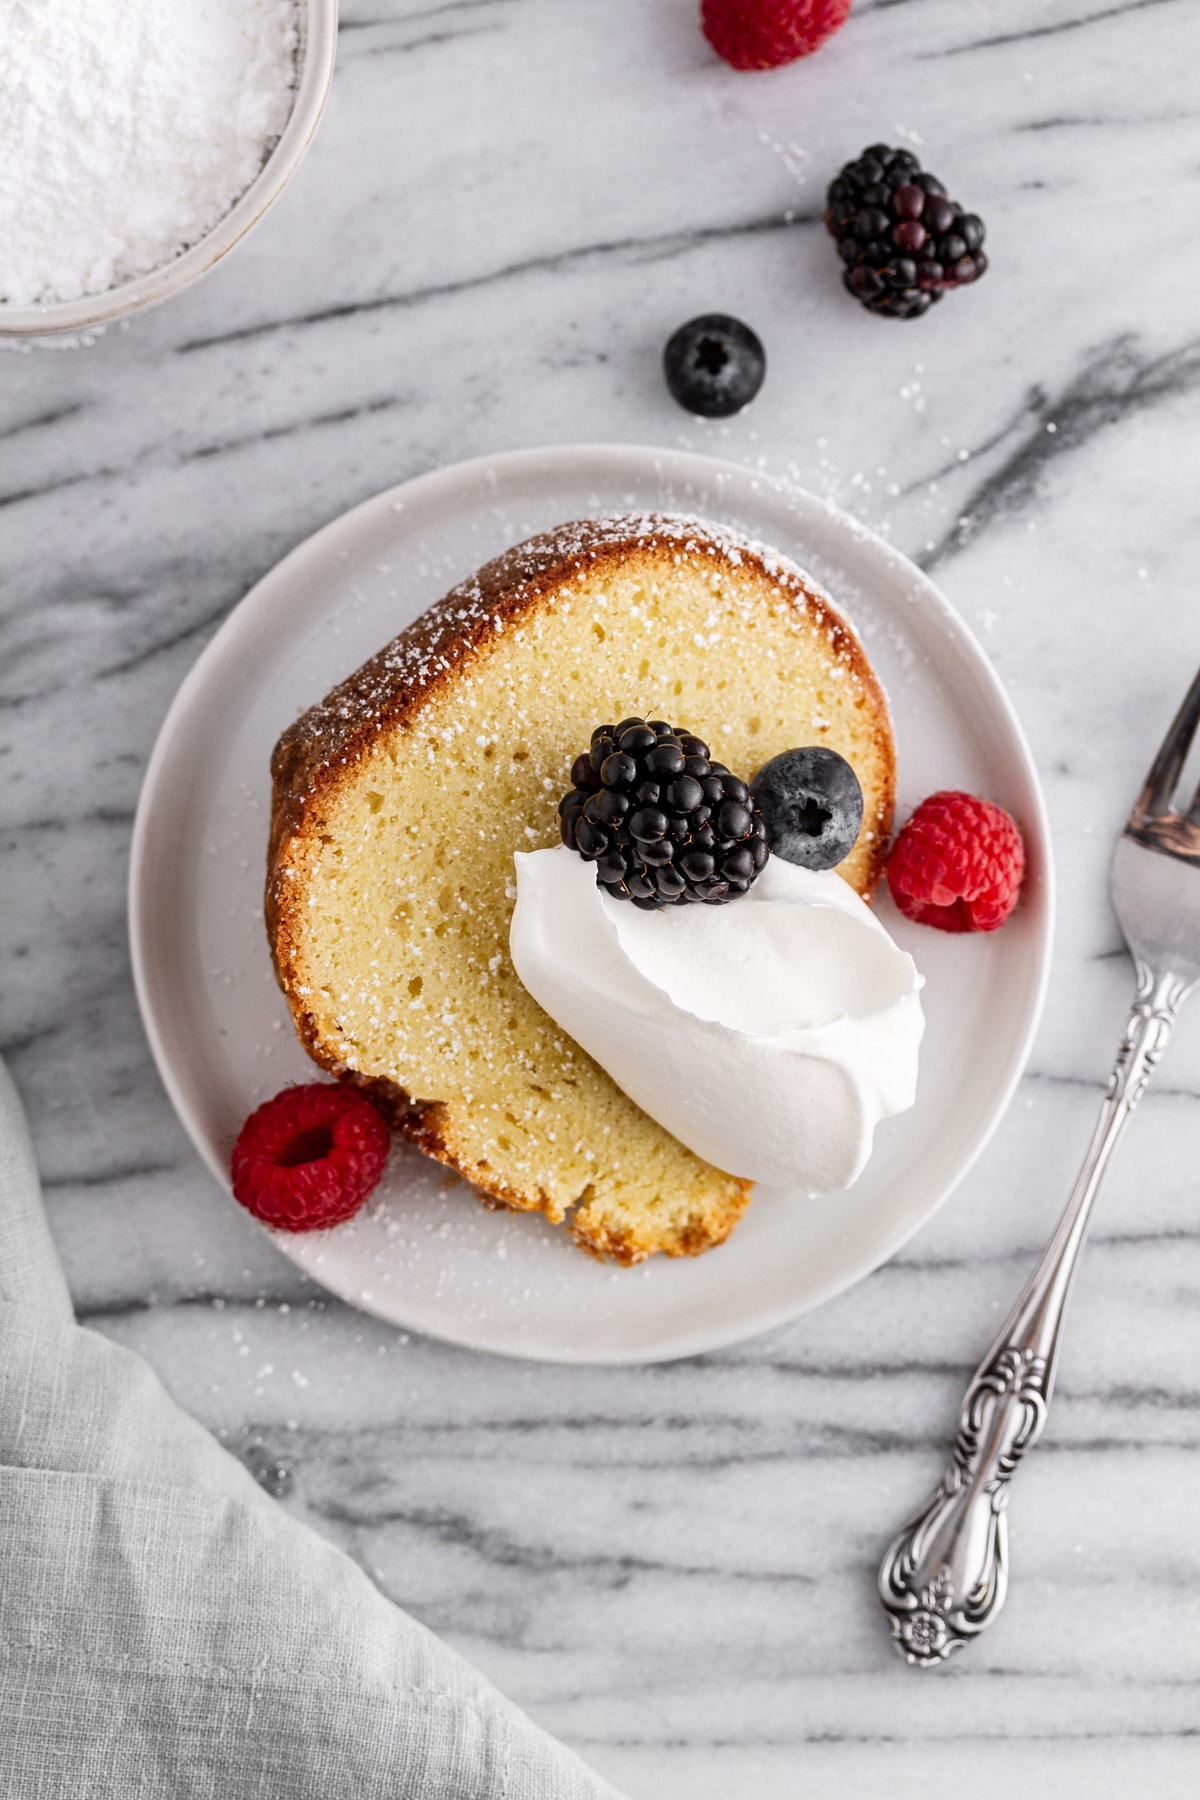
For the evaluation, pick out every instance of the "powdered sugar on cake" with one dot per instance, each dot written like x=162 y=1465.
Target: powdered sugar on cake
x=435 y=645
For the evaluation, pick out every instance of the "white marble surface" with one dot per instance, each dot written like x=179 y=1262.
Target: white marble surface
x=509 y=205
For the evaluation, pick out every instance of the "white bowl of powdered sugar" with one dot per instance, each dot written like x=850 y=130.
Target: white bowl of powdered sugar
x=139 y=142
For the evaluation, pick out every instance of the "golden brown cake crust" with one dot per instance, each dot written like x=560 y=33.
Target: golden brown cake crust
x=422 y=1125
x=321 y=750
x=326 y=740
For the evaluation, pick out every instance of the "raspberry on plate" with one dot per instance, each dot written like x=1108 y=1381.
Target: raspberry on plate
x=957 y=864
x=308 y=1158
x=764 y=34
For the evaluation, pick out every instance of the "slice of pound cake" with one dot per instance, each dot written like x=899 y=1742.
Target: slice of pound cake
x=400 y=800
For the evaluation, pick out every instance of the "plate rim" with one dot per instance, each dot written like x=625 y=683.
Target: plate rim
x=664 y=463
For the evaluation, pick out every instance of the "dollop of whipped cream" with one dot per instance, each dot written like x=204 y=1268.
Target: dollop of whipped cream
x=769 y=1035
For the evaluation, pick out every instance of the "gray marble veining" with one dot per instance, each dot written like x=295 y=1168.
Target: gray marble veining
x=509 y=205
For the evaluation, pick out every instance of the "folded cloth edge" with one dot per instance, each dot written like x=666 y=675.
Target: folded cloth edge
x=30 y=1271
x=167 y=1629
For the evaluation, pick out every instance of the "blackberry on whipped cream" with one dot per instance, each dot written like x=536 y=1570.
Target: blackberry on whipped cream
x=663 y=822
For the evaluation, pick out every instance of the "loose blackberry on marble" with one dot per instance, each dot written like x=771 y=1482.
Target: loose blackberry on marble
x=904 y=242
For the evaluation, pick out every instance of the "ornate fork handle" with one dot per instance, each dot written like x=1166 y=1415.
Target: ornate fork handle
x=945 y=1575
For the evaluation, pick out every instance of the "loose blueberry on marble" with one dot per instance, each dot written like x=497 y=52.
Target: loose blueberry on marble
x=714 y=365
x=811 y=804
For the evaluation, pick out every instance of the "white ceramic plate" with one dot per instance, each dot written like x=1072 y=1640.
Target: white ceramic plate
x=423 y=1253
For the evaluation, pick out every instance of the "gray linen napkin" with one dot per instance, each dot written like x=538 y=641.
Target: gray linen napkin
x=166 y=1629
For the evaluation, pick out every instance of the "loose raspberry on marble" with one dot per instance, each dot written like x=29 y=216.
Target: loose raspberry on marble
x=308 y=1158
x=764 y=34
x=957 y=864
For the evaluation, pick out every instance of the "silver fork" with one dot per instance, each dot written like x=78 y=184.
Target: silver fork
x=945 y=1575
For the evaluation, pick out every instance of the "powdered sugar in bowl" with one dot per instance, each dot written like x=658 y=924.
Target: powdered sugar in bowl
x=209 y=107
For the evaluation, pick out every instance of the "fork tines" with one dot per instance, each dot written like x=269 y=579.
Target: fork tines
x=1153 y=805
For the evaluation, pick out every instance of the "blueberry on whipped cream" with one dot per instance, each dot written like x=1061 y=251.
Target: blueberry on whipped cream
x=811 y=804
